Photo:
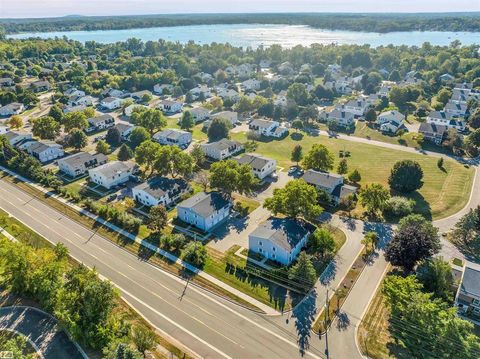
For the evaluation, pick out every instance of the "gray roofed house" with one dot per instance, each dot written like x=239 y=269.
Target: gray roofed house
x=280 y=239
x=112 y=173
x=261 y=166
x=160 y=190
x=125 y=129
x=78 y=163
x=172 y=136
x=433 y=132
x=467 y=298
x=331 y=183
x=41 y=85
x=222 y=149
x=100 y=122
x=13 y=108
x=204 y=210
x=44 y=151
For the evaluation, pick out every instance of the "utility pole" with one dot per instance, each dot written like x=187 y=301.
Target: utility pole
x=326 y=326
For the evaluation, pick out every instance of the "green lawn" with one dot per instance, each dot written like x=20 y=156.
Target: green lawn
x=443 y=192
x=197 y=132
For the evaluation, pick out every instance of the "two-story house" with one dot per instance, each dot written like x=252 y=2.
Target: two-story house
x=204 y=210
x=113 y=173
x=332 y=183
x=262 y=167
x=160 y=191
x=280 y=239
x=79 y=163
x=221 y=149
x=467 y=299
x=267 y=128
x=100 y=123
x=173 y=137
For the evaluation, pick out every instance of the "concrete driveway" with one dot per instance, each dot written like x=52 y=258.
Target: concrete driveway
x=236 y=230
x=42 y=331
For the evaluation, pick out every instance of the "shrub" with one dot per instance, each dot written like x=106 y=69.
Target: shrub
x=195 y=254
x=399 y=206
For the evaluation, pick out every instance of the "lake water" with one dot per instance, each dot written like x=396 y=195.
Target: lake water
x=255 y=35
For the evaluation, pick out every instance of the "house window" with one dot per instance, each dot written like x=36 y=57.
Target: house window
x=476 y=310
x=260 y=250
x=274 y=249
x=476 y=302
x=260 y=243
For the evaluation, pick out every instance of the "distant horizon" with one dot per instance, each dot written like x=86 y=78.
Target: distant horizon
x=473 y=13
x=34 y=9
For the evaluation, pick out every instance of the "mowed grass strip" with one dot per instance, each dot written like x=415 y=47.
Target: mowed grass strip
x=444 y=192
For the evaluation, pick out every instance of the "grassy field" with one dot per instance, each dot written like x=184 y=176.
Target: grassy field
x=444 y=191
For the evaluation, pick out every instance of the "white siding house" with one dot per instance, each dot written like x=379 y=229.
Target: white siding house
x=262 y=167
x=267 y=128
x=279 y=239
x=204 y=210
x=79 y=163
x=222 y=149
x=112 y=174
x=111 y=103
x=160 y=191
x=173 y=137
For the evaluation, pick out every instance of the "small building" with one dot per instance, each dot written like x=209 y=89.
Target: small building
x=280 y=239
x=80 y=100
x=41 y=85
x=262 y=167
x=332 y=183
x=160 y=191
x=113 y=173
x=447 y=119
x=204 y=210
x=467 y=299
x=432 y=132
x=173 y=137
x=11 y=109
x=100 y=123
x=125 y=130
x=340 y=118
x=456 y=108
x=267 y=128
x=250 y=84
x=446 y=77
x=200 y=114
x=358 y=107
x=138 y=96
x=79 y=163
x=170 y=107
x=231 y=116
x=111 y=92
x=390 y=121
x=159 y=89
x=111 y=103
x=17 y=137
x=44 y=151
x=201 y=90
x=222 y=149
x=129 y=109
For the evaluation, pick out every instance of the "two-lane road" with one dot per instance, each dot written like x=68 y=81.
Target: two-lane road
x=210 y=326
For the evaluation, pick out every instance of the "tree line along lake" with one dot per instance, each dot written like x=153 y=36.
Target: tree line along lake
x=250 y=35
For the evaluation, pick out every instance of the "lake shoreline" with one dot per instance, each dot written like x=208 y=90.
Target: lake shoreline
x=255 y=35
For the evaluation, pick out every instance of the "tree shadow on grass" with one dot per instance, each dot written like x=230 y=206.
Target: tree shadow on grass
x=296 y=136
x=421 y=205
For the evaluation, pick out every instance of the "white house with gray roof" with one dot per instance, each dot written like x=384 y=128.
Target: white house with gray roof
x=390 y=121
x=200 y=114
x=339 y=117
x=111 y=103
x=113 y=173
x=221 y=149
x=173 y=137
x=100 y=123
x=231 y=116
x=262 y=167
x=331 y=183
x=457 y=109
x=267 y=128
x=447 y=119
x=17 y=137
x=44 y=151
x=79 y=163
x=467 y=299
x=11 y=109
x=160 y=191
x=170 y=107
x=204 y=210
x=280 y=239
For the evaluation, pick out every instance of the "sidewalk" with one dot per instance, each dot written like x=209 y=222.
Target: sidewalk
x=267 y=309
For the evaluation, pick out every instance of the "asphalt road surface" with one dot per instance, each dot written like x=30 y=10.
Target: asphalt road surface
x=210 y=326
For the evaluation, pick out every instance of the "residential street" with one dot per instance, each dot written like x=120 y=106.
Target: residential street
x=210 y=326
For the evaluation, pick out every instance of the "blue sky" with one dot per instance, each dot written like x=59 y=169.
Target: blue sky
x=50 y=8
